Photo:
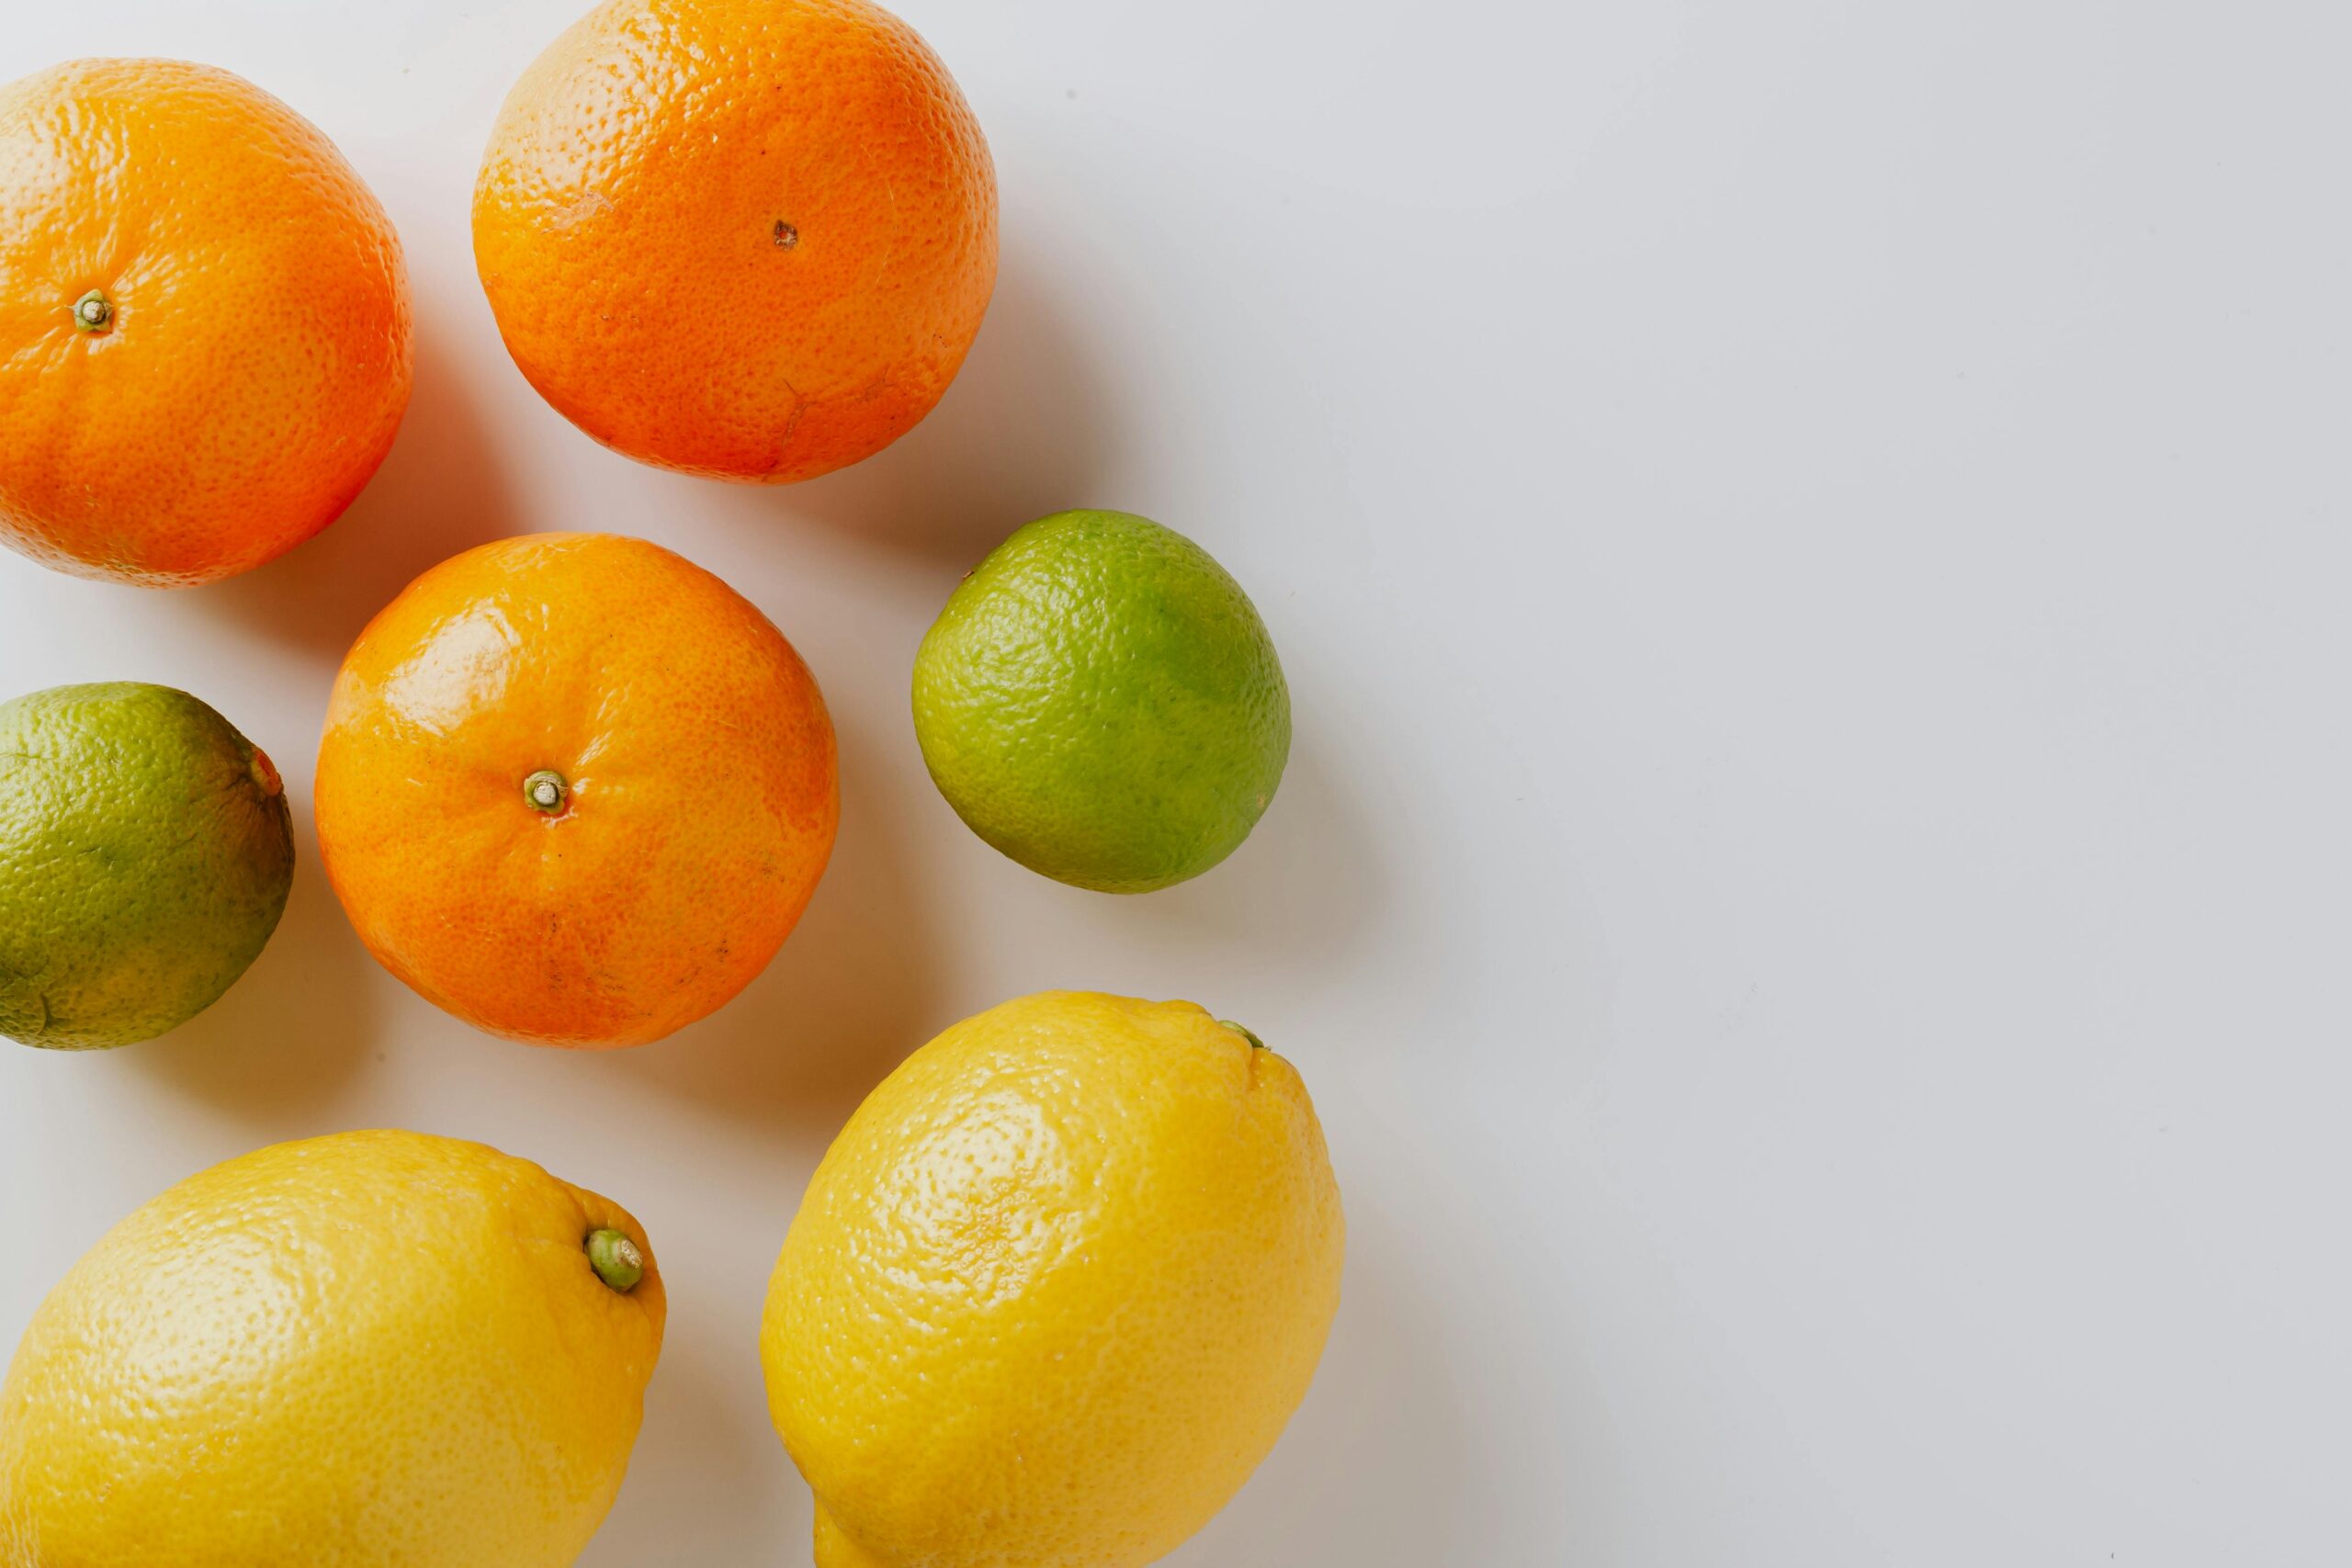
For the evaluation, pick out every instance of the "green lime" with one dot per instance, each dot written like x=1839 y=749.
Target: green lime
x=145 y=855
x=1101 y=702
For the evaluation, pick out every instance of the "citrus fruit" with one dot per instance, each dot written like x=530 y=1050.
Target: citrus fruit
x=370 y=1348
x=1055 y=1291
x=204 y=324
x=574 y=789
x=145 y=855
x=1101 y=702
x=751 y=239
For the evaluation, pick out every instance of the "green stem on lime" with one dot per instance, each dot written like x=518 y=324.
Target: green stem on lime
x=616 y=1259
x=1255 y=1044
x=94 y=312
x=547 y=790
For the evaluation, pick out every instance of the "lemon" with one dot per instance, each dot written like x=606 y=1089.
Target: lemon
x=1100 y=701
x=374 y=1348
x=145 y=855
x=1055 y=1290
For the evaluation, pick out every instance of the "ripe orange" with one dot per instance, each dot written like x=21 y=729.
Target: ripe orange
x=751 y=239
x=204 y=324
x=574 y=789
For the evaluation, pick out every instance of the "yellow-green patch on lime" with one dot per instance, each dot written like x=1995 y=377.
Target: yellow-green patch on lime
x=145 y=856
x=1101 y=702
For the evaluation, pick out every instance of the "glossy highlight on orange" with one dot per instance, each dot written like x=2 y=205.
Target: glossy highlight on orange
x=574 y=789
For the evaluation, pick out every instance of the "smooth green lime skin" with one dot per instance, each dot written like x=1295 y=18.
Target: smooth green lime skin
x=145 y=856
x=1101 y=702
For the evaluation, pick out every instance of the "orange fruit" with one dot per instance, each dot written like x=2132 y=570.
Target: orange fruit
x=204 y=324
x=751 y=239
x=574 y=789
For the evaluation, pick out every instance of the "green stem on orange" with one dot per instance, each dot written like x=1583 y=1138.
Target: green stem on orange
x=547 y=790
x=94 y=312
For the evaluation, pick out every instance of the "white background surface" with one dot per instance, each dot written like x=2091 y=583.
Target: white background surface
x=1808 y=541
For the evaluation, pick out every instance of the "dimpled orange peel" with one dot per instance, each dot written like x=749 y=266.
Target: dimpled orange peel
x=748 y=239
x=204 y=324
x=574 y=789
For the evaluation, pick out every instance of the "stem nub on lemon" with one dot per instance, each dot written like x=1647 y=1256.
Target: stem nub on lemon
x=145 y=856
x=1055 y=1290
x=368 y=1349
x=1101 y=702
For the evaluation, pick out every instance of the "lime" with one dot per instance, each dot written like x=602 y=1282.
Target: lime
x=145 y=855
x=1101 y=702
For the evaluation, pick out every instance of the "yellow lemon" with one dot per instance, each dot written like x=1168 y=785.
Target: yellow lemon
x=373 y=1348
x=1054 y=1290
